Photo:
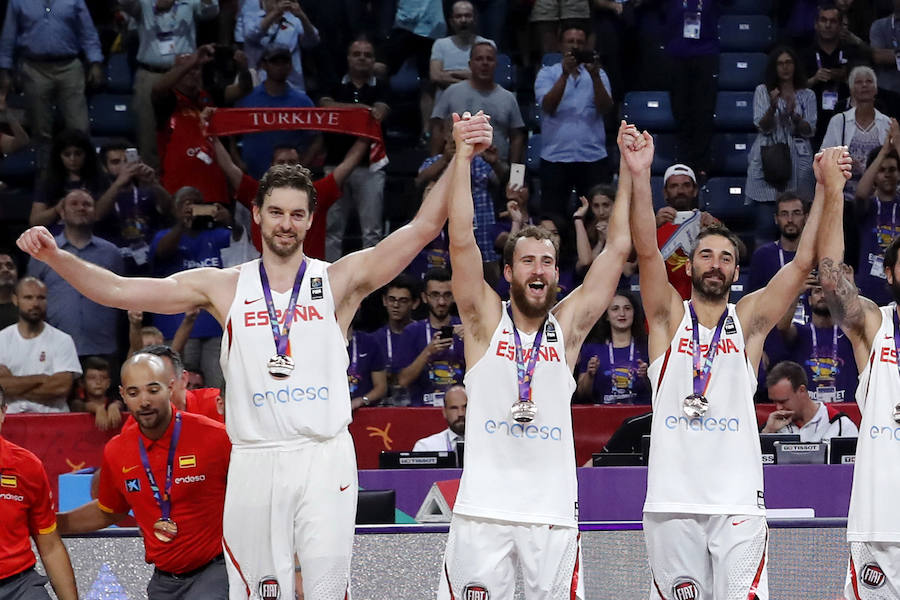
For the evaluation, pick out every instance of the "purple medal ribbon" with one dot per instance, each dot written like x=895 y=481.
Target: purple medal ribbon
x=163 y=499
x=523 y=371
x=703 y=364
x=281 y=338
x=897 y=337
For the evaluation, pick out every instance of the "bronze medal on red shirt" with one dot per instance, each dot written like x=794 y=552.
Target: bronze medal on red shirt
x=165 y=530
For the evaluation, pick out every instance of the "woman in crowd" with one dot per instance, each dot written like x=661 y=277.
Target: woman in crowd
x=784 y=112
x=591 y=220
x=613 y=368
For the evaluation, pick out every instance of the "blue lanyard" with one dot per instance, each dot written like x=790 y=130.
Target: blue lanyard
x=163 y=498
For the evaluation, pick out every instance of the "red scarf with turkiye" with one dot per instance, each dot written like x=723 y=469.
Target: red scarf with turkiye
x=352 y=121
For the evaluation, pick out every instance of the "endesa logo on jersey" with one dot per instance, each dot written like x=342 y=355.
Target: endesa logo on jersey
x=523 y=431
x=13 y=497
x=701 y=424
x=507 y=350
x=260 y=318
x=884 y=433
x=289 y=394
x=725 y=346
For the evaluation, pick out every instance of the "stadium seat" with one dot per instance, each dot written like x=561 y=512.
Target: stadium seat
x=739 y=287
x=533 y=155
x=551 y=58
x=15 y=206
x=111 y=115
x=19 y=168
x=734 y=111
x=118 y=74
x=747 y=7
x=505 y=74
x=745 y=33
x=649 y=110
x=656 y=189
x=741 y=70
x=531 y=114
x=665 y=152
x=730 y=152
x=723 y=197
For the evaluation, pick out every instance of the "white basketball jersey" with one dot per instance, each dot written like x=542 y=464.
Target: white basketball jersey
x=520 y=472
x=314 y=402
x=710 y=464
x=873 y=515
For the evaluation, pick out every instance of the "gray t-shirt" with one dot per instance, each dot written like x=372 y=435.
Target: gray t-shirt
x=881 y=37
x=499 y=103
x=452 y=56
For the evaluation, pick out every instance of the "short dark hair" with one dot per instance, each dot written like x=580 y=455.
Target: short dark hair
x=825 y=6
x=3 y=401
x=287 y=176
x=565 y=28
x=790 y=196
x=787 y=369
x=482 y=43
x=890 y=254
x=97 y=363
x=403 y=281
x=873 y=154
x=721 y=231
x=532 y=231
x=164 y=351
x=111 y=146
x=436 y=274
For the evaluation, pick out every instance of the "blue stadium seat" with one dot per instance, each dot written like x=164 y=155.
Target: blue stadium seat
x=739 y=287
x=19 y=168
x=649 y=110
x=111 y=115
x=406 y=81
x=734 y=111
x=723 y=197
x=665 y=152
x=118 y=74
x=551 y=58
x=656 y=188
x=747 y=7
x=730 y=152
x=745 y=33
x=531 y=114
x=505 y=74
x=741 y=70
x=533 y=155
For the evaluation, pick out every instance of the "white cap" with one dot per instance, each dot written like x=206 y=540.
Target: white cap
x=679 y=169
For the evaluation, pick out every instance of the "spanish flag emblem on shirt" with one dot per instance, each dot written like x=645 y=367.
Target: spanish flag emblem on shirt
x=187 y=462
x=8 y=481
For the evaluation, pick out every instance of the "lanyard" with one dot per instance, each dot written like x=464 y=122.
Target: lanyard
x=896 y=335
x=162 y=498
x=703 y=364
x=878 y=222
x=525 y=372
x=780 y=254
x=612 y=364
x=353 y=346
x=390 y=346
x=281 y=336
x=427 y=334
x=834 y=342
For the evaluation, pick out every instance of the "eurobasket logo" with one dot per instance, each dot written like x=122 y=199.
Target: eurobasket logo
x=268 y=588
x=475 y=591
x=872 y=576
x=685 y=588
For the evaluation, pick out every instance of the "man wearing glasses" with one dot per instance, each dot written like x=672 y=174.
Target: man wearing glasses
x=400 y=299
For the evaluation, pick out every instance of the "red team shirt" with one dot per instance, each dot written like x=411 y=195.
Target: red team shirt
x=202 y=401
x=26 y=507
x=198 y=489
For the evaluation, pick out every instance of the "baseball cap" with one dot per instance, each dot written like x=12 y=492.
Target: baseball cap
x=679 y=169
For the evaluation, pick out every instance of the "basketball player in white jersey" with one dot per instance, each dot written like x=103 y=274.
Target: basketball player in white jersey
x=704 y=516
x=517 y=502
x=292 y=483
x=873 y=523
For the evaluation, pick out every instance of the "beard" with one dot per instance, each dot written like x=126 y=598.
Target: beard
x=32 y=317
x=282 y=251
x=791 y=235
x=459 y=427
x=822 y=311
x=895 y=290
x=706 y=288
x=533 y=311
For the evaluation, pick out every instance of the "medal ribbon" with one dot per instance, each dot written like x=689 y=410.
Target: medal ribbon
x=612 y=367
x=525 y=372
x=897 y=336
x=163 y=499
x=281 y=338
x=703 y=364
x=834 y=343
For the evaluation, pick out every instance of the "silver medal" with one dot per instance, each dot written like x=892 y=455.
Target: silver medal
x=696 y=405
x=523 y=412
x=280 y=366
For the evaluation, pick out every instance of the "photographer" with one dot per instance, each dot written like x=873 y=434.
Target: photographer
x=574 y=95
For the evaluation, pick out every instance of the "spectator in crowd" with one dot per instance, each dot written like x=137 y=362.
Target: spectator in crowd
x=574 y=96
x=9 y=275
x=591 y=223
x=454 y=410
x=45 y=42
x=784 y=112
x=196 y=240
x=275 y=92
x=180 y=522
x=200 y=401
x=72 y=165
x=140 y=335
x=550 y=17
x=266 y=23
x=432 y=349
x=486 y=168
x=876 y=215
x=400 y=299
x=450 y=55
x=822 y=349
x=561 y=233
x=185 y=152
x=480 y=92
x=515 y=218
x=19 y=138
x=165 y=29
x=613 y=370
x=133 y=208
x=827 y=63
x=30 y=518
x=435 y=254
x=676 y=229
x=363 y=189
x=796 y=412
x=96 y=381
x=38 y=362
x=790 y=218
x=885 y=57
x=92 y=326
x=367 y=373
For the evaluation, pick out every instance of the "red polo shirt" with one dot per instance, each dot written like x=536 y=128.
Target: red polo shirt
x=198 y=489
x=203 y=401
x=26 y=507
x=327 y=193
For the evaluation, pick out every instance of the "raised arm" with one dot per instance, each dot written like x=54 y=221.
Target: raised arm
x=358 y=274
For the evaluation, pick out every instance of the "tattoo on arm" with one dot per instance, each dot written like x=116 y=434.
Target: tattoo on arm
x=841 y=294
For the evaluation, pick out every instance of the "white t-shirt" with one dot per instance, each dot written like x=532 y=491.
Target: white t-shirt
x=52 y=351
x=441 y=441
x=820 y=429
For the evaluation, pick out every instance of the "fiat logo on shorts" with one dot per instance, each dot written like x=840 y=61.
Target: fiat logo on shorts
x=872 y=576
x=685 y=589
x=475 y=591
x=269 y=588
